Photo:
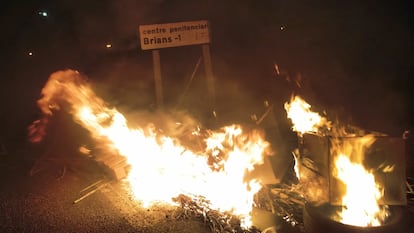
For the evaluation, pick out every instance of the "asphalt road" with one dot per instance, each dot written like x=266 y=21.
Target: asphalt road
x=37 y=195
x=41 y=198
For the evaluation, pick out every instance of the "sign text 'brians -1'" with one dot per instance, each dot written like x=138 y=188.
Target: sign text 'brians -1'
x=166 y=35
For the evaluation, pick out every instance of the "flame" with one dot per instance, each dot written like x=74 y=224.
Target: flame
x=296 y=167
x=303 y=119
x=362 y=194
x=160 y=167
x=360 y=201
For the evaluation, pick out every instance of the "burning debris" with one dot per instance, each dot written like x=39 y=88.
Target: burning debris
x=218 y=222
x=364 y=172
x=91 y=189
x=207 y=173
x=149 y=157
x=285 y=201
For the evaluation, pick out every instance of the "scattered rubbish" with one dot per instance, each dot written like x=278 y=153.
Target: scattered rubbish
x=91 y=189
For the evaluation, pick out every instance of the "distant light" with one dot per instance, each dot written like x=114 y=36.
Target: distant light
x=43 y=13
x=282 y=28
x=108 y=46
x=30 y=53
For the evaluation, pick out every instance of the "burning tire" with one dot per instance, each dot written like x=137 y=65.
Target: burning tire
x=316 y=220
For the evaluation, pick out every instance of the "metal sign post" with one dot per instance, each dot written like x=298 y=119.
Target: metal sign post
x=157 y=78
x=209 y=75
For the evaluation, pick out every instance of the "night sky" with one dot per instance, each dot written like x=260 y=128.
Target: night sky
x=355 y=58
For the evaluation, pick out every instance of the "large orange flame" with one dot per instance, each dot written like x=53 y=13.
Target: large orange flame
x=360 y=201
x=161 y=168
x=303 y=119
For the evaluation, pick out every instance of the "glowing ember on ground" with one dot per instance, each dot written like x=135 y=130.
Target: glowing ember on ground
x=160 y=167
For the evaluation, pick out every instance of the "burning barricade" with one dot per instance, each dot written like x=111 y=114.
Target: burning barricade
x=341 y=173
x=154 y=166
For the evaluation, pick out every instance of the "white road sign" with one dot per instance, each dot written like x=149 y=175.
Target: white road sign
x=156 y=36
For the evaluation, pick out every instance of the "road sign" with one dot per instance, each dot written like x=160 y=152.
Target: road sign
x=156 y=36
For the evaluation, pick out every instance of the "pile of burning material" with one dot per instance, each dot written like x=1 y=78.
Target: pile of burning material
x=218 y=222
x=157 y=168
x=352 y=179
x=285 y=202
x=278 y=207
